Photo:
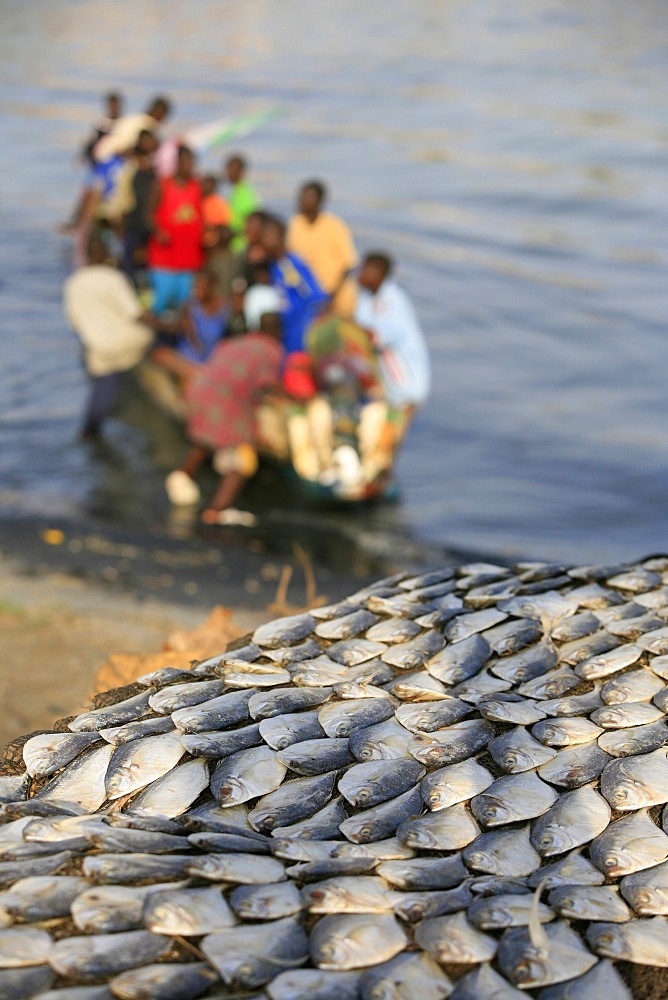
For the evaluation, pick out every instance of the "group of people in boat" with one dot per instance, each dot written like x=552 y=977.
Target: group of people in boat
x=272 y=331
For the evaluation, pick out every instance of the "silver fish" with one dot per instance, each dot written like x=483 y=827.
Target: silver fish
x=573 y=869
x=174 y=792
x=517 y=751
x=20 y=946
x=456 y=783
x=524 y=666
x=97 y=955
x=595 y=644
x=284 y=631
x=629 y=844
x=324 y=824
x=349 y=894
x=222 y=744
x=248 y=956
x=239 y=869
x=610 y=662
x=134 y=765
x=328 y=611
x=314 y=984
x=41 y=897
x=351 y=652
x=575 y=704
x=415 y=906
x=461 y=660
x=452 y=744
x=491 y=913
x=389 y=849
x=589 y=902
x=647 y=891
x=550 y=608
x=453 y=939
x=112 y=715
x=249 y=677
x=316 y=756
x=643 y=941
x=164 y=676
x=29 y=982
x=346 y=626
x=393 y=630
x=626 y=714
x=528 y=965
x=414 y=654
x=511 y=708
x=214 y=713
x=10 y=871
x=551 y=685
x=382 y=821
x=575 y=766
x=430 y=716
x=315 y=871
x=513 y=635
x=293 y=801
x=177 y=696
x=485 y=984
x=222 y=843
x=635 y=740
x=127 y=840
x=293 y=654
x=635 y=580
x=47 y=753
x=655 y=641
x=136 y=730
x=634 y=627
x=446 y=830
x=580 y=625
x=565 y=732
x=602 y=980
x=109 y=908
x=121 y=869
x=340 y=717
x=385 y=741
x=373 y=782
x=270 y=901
x=416 y=874
x=187 y=912
x=512 y=798
x=481 y=686
x=164 y=981
x=266 y=704
x=574 y=819
x=636 y=782
x=247 y=775
x=82 y=783
x=469 y=624
x=356 y=940
x=417 y=686
x=406 y=975
x=503 y=852
x=282 y=731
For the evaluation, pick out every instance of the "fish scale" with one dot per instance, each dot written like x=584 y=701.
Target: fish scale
x=424 y=799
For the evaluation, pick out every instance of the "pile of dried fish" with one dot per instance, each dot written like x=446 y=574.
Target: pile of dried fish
x=446 y=785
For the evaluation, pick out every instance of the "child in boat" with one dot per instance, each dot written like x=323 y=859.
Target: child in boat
x=221 y=419
x=198 y=330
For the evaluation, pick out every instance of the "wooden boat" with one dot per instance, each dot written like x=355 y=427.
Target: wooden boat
x=295 y=437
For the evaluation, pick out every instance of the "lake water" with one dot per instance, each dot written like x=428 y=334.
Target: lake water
x=512 y=157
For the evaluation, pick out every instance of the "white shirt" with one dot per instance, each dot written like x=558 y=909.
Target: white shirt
x=103 y=309
x=403 y=354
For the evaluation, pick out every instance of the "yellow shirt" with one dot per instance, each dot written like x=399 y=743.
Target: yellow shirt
x=327 y=247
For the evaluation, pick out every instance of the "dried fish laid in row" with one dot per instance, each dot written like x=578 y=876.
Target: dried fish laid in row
x=449 y=784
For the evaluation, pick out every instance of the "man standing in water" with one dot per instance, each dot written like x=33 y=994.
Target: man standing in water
x=102 y=308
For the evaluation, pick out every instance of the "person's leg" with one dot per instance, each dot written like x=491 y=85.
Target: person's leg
x=228 y=490
x=180 y=484
x=104 y=394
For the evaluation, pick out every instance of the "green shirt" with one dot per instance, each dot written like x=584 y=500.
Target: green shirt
x=242 y=201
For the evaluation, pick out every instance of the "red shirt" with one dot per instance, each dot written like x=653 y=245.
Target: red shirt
x=179 y=214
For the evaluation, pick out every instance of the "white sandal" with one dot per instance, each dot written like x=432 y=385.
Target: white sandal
x=181 y=489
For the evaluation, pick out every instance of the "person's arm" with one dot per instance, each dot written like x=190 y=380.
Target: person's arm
x=153 y=200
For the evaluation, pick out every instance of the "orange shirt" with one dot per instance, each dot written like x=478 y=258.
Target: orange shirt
x=327 y=247
x=215 y=211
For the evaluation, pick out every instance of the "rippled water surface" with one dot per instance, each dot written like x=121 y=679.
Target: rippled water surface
x=512 y=157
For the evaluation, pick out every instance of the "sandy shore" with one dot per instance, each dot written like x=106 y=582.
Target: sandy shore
x=77 y=604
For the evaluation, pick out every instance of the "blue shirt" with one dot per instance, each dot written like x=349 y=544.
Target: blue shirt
x=301 y=298
x=209 y=328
